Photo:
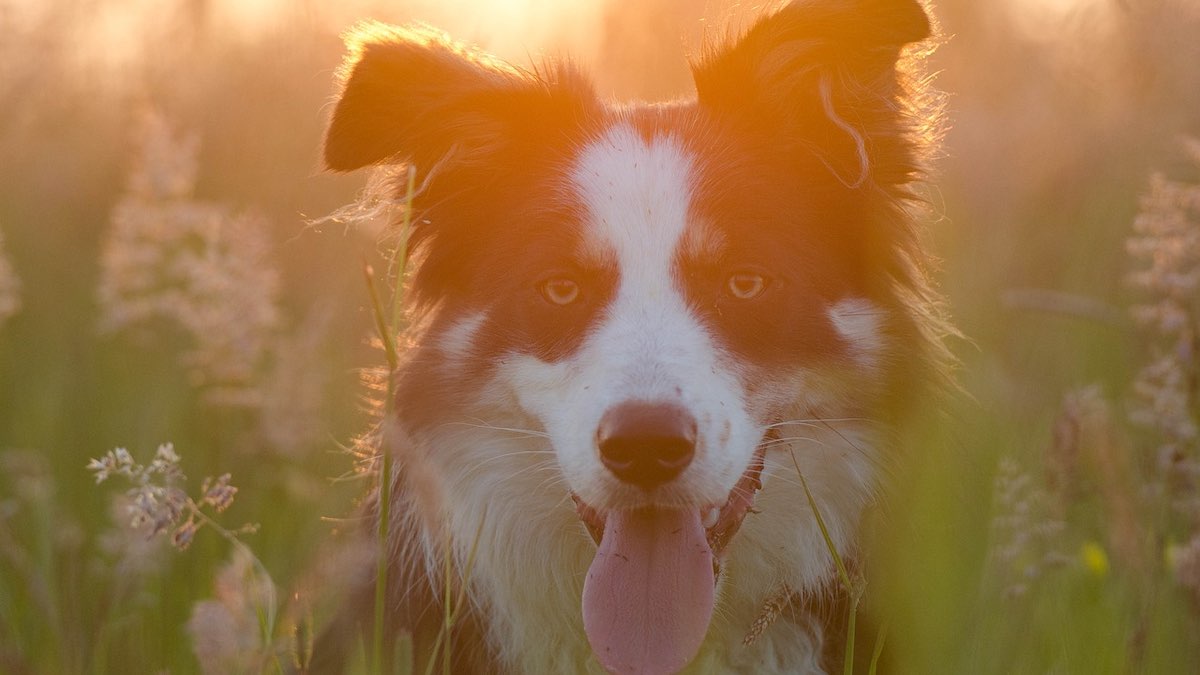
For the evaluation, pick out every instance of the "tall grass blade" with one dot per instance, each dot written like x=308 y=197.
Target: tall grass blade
x=854 y=590
x=388 y=330
x=879 y=640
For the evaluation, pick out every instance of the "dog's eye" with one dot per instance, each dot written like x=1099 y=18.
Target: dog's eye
x=747 y=285
x=560 y=291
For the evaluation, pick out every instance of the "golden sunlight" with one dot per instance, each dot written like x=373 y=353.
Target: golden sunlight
x=513 y=29
x=1054 y=6
x=1044 y=19
x=520 y=31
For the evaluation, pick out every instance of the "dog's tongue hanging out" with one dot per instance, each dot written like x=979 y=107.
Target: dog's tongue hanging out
x=649 y=593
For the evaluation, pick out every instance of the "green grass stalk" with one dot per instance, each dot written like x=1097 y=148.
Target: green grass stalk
x=385 y=481
x=853 y=588
x=443 y=642
x=387 y=334
x=879 y=640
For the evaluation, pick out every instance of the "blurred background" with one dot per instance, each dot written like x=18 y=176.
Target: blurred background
x=162 y=281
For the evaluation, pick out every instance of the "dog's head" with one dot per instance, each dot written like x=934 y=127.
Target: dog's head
x=663 y=291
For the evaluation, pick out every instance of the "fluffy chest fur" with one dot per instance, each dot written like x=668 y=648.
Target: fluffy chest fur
x=637 y=327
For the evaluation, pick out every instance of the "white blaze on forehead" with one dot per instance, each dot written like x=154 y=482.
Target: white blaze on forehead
x=648 y=344
x=637 y=193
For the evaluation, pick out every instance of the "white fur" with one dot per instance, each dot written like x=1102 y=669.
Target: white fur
x=860 y=323
x=456 y=341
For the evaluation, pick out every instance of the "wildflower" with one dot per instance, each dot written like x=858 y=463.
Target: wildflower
x=184 y=534
x=1166 y=246
x=156 y=503
x=117 y=461
x=194 y=264
x=218 y=493
x=167 y=161
x=1166 y=243
x=162 y=506
x=1025 y=539
x=1095 y=560
x=1088 y=451
x=165 y=458
x=134 y=551
x=226 y=631
x=1163 y=400
x=10 y=287
x=1185 y=563
x=219 y=641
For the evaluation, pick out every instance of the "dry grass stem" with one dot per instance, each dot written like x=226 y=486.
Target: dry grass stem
x=10 y=286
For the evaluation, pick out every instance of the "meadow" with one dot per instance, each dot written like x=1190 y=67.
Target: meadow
x=179 y=318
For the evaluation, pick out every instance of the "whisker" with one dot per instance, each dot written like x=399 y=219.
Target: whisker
x=876 y=460
x=532 y=468
x=816 y=421
x=555 y=479
x=826 y=424
x=562 y=501
x=786 y=440
x=482 y=464
x=482 y=424
x=513 y=453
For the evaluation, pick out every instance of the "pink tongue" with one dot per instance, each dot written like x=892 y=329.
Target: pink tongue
x=648 y=597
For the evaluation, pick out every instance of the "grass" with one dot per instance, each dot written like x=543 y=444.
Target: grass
x=852 y=585
x=388 y=330
x=1101 y=543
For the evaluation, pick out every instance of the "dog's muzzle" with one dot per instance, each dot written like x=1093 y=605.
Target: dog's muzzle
x=650 y=593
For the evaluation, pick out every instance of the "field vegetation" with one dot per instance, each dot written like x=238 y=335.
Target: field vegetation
x=188 y=348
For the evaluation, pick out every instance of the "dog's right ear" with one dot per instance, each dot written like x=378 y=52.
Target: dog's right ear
x=412 y=95
x=827 y=74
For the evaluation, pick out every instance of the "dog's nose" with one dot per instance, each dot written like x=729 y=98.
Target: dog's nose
x=646 y=444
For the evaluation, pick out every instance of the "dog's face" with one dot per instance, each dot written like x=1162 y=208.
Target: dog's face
x=662 y=294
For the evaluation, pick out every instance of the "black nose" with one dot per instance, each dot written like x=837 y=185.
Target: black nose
x=646 y=444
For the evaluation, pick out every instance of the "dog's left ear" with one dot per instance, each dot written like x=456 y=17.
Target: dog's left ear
x=822 y=72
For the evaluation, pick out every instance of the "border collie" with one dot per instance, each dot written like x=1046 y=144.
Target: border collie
x=635 y=328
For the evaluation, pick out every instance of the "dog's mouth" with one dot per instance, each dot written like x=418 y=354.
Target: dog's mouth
x=720 y=523
x=650 y=591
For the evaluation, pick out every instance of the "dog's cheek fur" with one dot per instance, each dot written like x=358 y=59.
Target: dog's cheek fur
x=825 y=429
x=491 y=482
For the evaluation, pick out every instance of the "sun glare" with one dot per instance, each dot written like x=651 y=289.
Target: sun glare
x=252 y=14
x=1044 y=19
x=512 y=29
x=520 y=31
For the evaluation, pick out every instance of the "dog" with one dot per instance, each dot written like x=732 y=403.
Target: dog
x=656 y=349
